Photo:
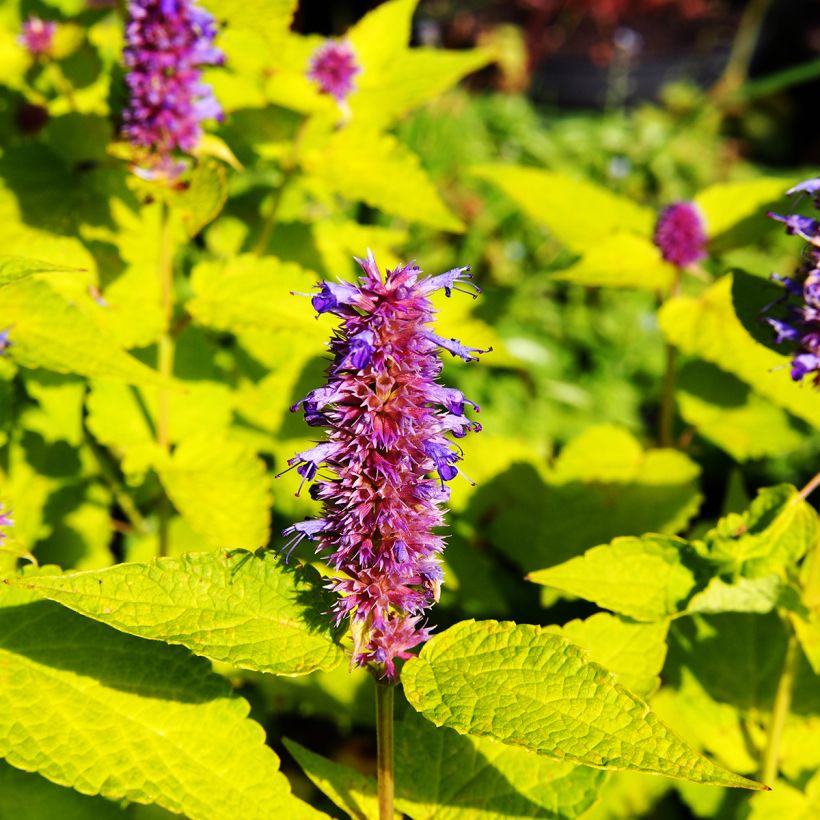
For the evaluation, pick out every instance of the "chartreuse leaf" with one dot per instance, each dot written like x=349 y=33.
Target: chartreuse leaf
x=442 y=774
x=52 y=333
x=203 y=199
x=379 y=35
x=643 y=578
x=252 y=612
x=633 y=652
x=575 y=211
x=622 y=260
x=708 y=328
x=362 y=164
x=109 y=714
x=725 y=204
x=743 y=595
x=603 y=484
x=732 y=416
x=221 y=488
x=251 y=30
x=774 y=533
x=532 y=689
x=13 y=268
x=31 y=797
x=251 y=292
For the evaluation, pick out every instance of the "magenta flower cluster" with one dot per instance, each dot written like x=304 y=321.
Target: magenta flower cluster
x=333 y=66
x=387 y=455
x=37 y=36
x=800 y=327
x=680 y=234
x=5 y=521
x=167 y=43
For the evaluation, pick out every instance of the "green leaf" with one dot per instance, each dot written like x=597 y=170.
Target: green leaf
x=771 y=536
x=622 y=260
x=759 y=595
x=726 y=204
x=362 y=164
x=732 y=416
x=577 y=212
x=603 y=484
x=13 y=268
x=248 y=292
x=380 y=34
x=756 y=298
x=222 y=489
x=643 y=578
x=707 y=327
x=205 y=196
x=31 y=797
x=633 y=652
x=441 y=774
x=110 y=714
x=253 y=612
x=50 y=332
x=787 y=801
x=529 y=688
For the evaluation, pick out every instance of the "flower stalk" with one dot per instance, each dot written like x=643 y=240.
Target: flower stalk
x=384 y=748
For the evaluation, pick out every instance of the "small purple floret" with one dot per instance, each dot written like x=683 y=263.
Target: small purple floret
x=5 y=341
x=680 y=234
x=333 y=66
x=37 y=36
x=5 y=521
x=167 y=43
x=799 y=327
x=387 y=456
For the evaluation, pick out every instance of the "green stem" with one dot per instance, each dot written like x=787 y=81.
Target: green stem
x=743 y=48
x=270 y=220
x=166 y=360
x=666 y=418
x=782 y=704
x=810 y=487
x=384 y=741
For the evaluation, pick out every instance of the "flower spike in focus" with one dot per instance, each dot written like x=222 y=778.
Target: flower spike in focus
x=388 y=455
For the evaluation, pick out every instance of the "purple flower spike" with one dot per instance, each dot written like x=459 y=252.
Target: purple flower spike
x=680 y=233
x=37 y=36
x=799 y=326
x=167 y=43
x=5 y=521
x=333 y=66
x=386 y=459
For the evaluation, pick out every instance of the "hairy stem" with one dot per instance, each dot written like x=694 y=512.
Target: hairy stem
x=780 y=711
x=384 y=741
x=166 y=360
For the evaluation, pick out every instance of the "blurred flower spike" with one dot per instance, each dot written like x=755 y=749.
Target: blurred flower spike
x=800 y=327
x=387 y=455
x=5 y=521
x=37 y=36
x=680 y=234
x=333 y=66
x=167 y=43
x=5 y=341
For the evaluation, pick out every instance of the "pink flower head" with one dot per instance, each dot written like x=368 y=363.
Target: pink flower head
x=681 y=234
x=381 y=472
x=333 y=66
x=37 y=36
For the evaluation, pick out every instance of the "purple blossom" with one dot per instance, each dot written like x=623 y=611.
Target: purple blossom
x=333 y=66
x=386 y=459
x=799 y=326
x=5 y=341
x=680 y=233
x=167 y=43
x=5 y=521
x=37 y=36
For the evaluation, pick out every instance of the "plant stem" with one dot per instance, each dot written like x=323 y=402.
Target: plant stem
x=270 y=220
x=810 y=487
x=667 y=412
x=384 y=741
x=166 y=360
x=780 y=710
x=743 y=48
